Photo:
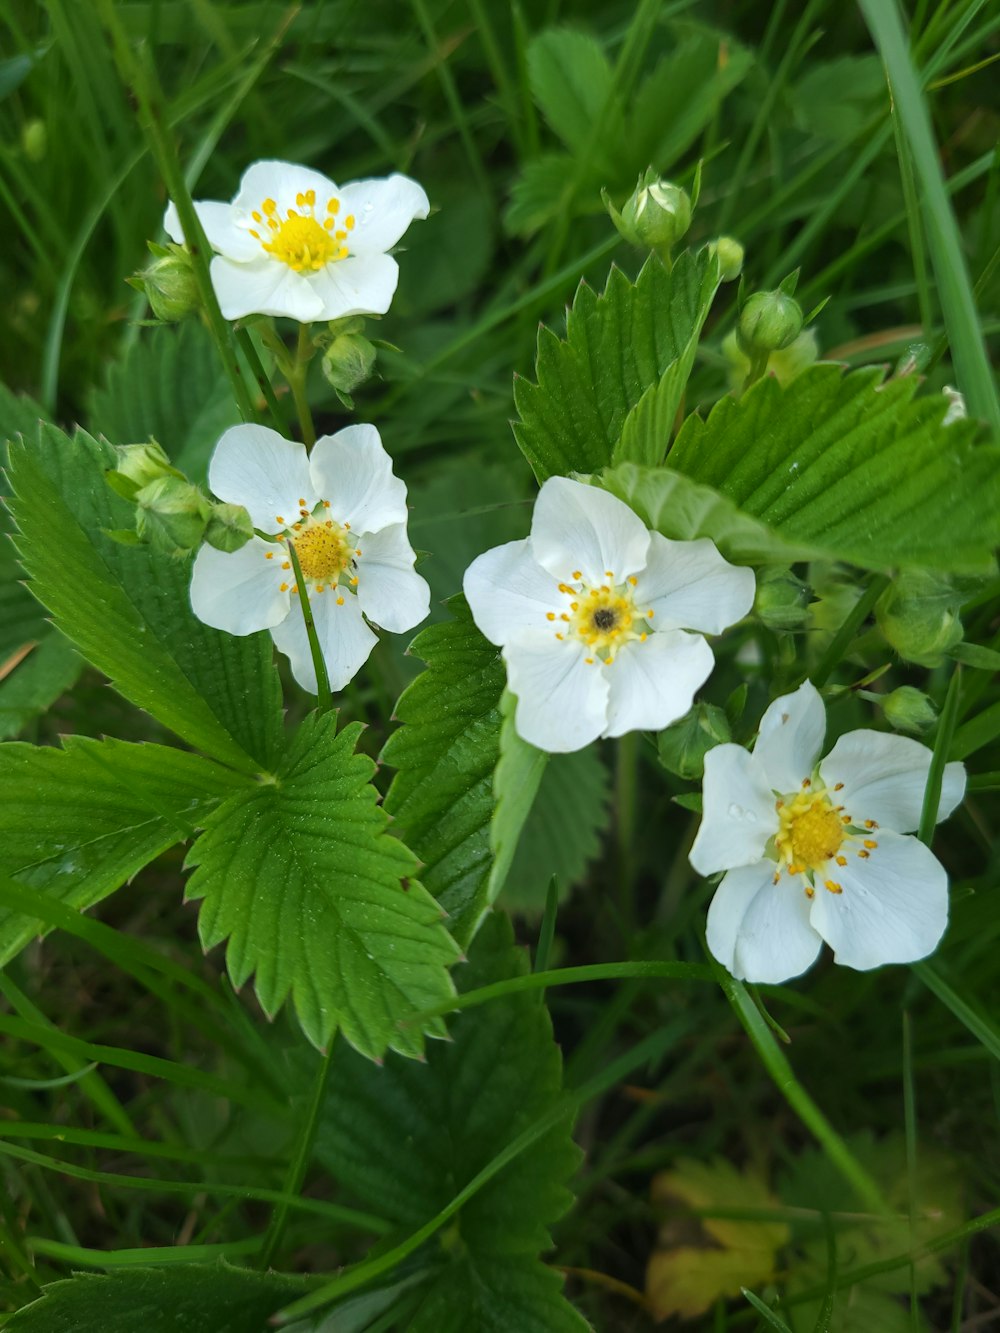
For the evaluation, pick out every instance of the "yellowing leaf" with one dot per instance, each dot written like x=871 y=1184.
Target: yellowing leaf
x=702 y=1258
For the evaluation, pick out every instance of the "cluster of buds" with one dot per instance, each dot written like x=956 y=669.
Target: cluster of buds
x=172 y=515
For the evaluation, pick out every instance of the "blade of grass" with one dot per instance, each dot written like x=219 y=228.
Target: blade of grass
x=972 y=366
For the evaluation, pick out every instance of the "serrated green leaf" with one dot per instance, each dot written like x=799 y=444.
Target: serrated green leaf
x=22 y=620
x=854 y=467
x=317 y=901
x=37 y=680
x=168 y=387
x=441 y=798
x=537 y=193
x=561 y=834
x=181 y=1298
x=572 y=82
x=518 y=772
x=127 y=609
x=684 y=510
x=618 y=347
x=77 y=822
x=411 y=1136
x=682 y=93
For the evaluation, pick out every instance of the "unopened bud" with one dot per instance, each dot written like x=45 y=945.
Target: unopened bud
x=169 y=285
x=918 y=614
x=769 y=321
x=684 y=745
x=782 y=600
x=348 y=361
x=171 y=515
x=35 y=140
x=730 y=254
x=229 y=527
x=910 y=710
x=656 y=215
x=143 y=463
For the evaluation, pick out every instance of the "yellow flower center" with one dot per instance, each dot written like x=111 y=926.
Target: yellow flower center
x=811 y=831
x=301 y=239
x=323 y=552
x=604 y=617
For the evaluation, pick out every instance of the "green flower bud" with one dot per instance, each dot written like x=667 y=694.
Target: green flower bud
x=910 y=710
x=729 y=253
x=348 y=361
x=143 y=463
x=229 y=527
x=35 y=140
x=684 y=745
x=769 y=321
x=656 y=215
x=918 y=614
x=170 y=285
x=171 y=515
x=782 y=600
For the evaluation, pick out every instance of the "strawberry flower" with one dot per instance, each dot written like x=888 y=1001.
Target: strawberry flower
x=593 y=611
x=293 y=243
x=344 y=512
x=820 y=852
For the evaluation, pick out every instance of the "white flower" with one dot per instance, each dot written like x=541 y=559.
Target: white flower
x=293 y=243
x=819 y=853
x=589 y=612
x=345 y=513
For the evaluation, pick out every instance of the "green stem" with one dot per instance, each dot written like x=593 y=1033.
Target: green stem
x=140 y=78
x=261 y=377
x=297 y=383
x=758 y=369
x=626 y=785
x=299 y=1164
x=323 y=695
x=942 y=744
x=858 y=615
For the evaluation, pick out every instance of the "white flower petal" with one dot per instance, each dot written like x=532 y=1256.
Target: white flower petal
x=738 y=812
x=561 y=700
x=220 y=228
x=652 y=684
x=281 y=181
x=264 y=287
x=357 y=285
x=690 y=586
x=884 y=778
x=255 y=467
x=791 y=737
x=390 y=591
x=382 y=210
x=353 y=471
x=578 y=527
x=509 y=593
x=758 y=930
x=344 y=638
x=238 y=591
x=893 y=908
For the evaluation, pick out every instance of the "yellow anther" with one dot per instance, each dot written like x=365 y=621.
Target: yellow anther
x=870 y=823
x=340 y=601
x=832 y=885
x=278 y=518
x=871 y=843
x=589 y=661
x=349 y=222
x=269 y=555
x=333 y=205
x=633 y=580
x=810 y=892
x=577 y=574
x=842 y=860
x=269 y=206
x=864 y=855
x=838 y=786
x=550 y=615
x=283 y=587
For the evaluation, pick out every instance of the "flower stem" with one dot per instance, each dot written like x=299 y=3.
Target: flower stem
x=297 y=382
x=856 y=618
x=299 y=1164
x=758 y=368
x=260 y=375
x=139 y=77
x=323 y=695
x=942 y=744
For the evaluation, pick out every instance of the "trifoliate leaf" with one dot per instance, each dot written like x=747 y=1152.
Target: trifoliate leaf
x=852 y=466
x=77 y=822
x=573 y=84
x=441 y=799
x=169 y=387
x=700 y=1260
x=628 y=349
x=316 y=900
x=127 y=610
x=406 y=1138
x=181 y=1298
